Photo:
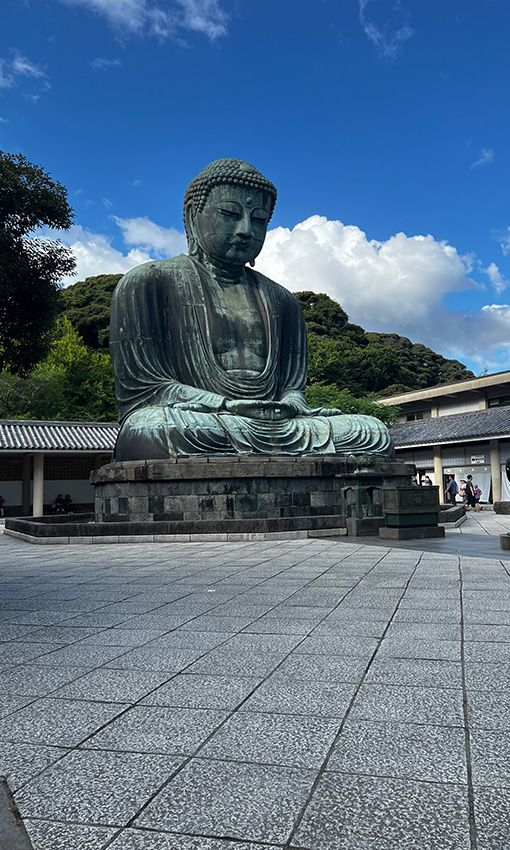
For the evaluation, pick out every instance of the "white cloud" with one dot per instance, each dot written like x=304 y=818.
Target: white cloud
x=496 y=278
x=386 y=36
x=486 y=157
x=18 y=66
x=143 y=232
x=141 y=18
x=504 y=241
x=106 y=203
x=95 y=254
x=22 y=66
x=6 y=79
x=101 y=64
x=397 y=286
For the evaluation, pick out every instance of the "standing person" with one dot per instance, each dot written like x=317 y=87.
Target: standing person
x=427 y=481
x=462 y=491
x=451 y=489
x=2 y=500
x=67 y=504
x=470 y=494
x=478 y=494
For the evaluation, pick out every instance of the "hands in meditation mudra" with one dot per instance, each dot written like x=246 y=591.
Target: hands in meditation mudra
x=210 y=357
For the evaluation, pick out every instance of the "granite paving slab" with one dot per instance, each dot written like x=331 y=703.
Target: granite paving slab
x=10 y=703
x=231 y=662
x=192 y=691
x=157 y=729
x=288 y=695
x=360 y=813
x=487 y=651
x=489 y=710
x=416 y=648
x=399 y=671
x=487 y=633
x=488 y=676
x=402 y=750
x=490 y=755
x=21 y=762
x=155 y=657
x=280 y=626
x=96 y=787
x=33 y=680
x=439 y=706
x=137 y=839
x=80 y=655
x=48 y=721
x=492 y=812
x=280 y=739
x=49 y=835
x=122 y=637
x=339 y=645
x=347 y=668
x=250 y=802
x=14 y=652
x=425 y=631
x=121 y=686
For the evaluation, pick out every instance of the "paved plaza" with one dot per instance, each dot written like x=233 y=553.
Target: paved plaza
x=311 y=694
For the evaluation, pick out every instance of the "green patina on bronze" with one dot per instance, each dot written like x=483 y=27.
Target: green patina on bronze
x=210 y=357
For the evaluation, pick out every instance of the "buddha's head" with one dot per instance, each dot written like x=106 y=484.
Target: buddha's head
x=227 y=208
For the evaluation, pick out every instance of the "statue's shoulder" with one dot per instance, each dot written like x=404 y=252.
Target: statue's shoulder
x=155 y=271
x=275 y=290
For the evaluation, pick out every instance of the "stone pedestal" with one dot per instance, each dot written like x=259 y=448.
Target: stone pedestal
x=417 y=532
x=244 y=493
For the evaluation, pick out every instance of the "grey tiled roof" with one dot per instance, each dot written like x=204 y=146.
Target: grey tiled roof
x=23 y=435
x=471 y=425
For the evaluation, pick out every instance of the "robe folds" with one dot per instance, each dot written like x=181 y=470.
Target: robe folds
x=163 y=354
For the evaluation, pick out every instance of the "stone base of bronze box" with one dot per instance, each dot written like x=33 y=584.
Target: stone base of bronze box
x=365 y=527
x=502 y=507
x=407 y=533
x=223 y=489
x=504 y=542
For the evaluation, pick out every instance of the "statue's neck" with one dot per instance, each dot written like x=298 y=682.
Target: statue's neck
x=226 y=274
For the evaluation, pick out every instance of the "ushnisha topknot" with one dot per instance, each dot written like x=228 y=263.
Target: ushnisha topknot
x=234 y=171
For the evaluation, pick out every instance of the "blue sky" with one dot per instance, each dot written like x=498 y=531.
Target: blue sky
x=383 y=123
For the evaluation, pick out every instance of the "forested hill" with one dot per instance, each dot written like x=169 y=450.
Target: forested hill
x=87 y=306
x=366 y=362
x=341 y=353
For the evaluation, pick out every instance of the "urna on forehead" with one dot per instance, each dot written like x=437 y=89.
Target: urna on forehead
x=236 y=172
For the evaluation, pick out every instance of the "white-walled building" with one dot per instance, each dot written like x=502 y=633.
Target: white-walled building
x=39 y=460
x=458 y=429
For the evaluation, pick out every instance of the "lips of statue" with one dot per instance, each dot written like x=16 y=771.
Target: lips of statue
x=232 y=226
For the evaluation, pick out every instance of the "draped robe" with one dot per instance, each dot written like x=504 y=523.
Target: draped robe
x=163 y=353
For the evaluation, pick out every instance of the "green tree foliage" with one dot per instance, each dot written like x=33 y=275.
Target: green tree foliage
x=87 y=306
x=30 y=268
x=419 y=366
x=328 y=395
x=344 y=355
x=72 y=383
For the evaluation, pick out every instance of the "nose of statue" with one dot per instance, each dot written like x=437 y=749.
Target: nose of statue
x=244 y=227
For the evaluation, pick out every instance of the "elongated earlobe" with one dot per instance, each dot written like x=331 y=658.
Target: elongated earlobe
x=190 y=231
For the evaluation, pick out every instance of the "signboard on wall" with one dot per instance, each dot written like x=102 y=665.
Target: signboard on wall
x=477 y=459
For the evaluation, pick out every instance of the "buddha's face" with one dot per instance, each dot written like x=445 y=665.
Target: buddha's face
x=232 y=226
